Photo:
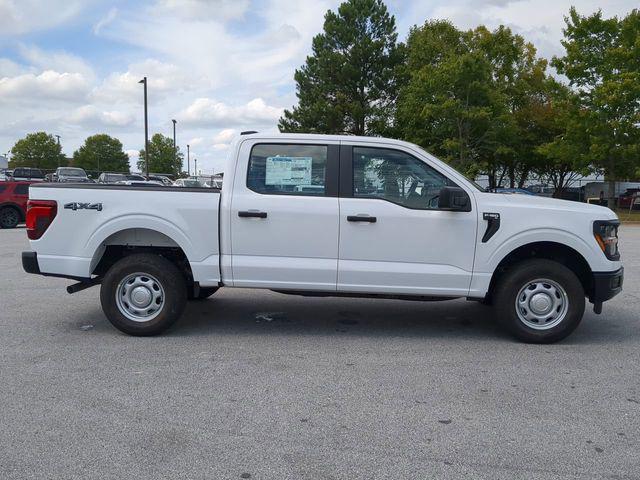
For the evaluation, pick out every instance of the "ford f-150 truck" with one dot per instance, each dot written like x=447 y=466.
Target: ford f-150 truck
x=328 y=216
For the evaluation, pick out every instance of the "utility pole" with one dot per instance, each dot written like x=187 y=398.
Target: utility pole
x=175 y=150
x=58 y=137
x=146 y=128
x=188 y=161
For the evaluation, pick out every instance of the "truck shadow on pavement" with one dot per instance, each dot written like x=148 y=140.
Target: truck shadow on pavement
x=253 y=312
x=237 y=312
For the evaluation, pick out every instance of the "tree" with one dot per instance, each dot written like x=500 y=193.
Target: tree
x=565 y=157
x=38 y=150
x=602 y=62
x=101 y=153
x=161 y=156
x=349 y=83
x=473 y=98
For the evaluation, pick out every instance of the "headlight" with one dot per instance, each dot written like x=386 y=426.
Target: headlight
x=606 y=233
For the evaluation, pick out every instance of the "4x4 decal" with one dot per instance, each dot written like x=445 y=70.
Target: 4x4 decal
x=83 y=206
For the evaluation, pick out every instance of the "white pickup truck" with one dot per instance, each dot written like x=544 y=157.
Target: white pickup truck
x=329 y=216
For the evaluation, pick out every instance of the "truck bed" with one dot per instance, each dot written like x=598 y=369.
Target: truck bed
x=103 y=215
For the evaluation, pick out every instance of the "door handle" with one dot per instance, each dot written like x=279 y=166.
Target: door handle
x=252 y=214
x=361 y=218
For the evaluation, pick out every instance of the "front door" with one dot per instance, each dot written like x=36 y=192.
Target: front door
x=284 y=216
x=393 y=238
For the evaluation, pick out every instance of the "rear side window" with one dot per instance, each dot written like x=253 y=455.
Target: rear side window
x=21 y=189
x=288 y=169
x=2 y=188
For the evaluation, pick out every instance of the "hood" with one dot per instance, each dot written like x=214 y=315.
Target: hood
x=539 y=202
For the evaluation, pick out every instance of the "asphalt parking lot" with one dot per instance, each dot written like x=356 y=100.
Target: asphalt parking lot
x=259 y=385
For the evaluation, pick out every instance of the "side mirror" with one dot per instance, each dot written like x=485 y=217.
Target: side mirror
x=455 y=199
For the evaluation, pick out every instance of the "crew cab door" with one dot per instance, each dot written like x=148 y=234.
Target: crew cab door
x=285 y=215
x=393 y=237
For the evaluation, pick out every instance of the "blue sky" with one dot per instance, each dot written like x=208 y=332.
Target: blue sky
x=71 y=67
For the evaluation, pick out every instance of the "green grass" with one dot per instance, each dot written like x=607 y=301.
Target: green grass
x=627 y=216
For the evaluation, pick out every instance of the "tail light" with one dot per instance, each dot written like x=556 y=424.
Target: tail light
x=606 y=233
x=40 y=214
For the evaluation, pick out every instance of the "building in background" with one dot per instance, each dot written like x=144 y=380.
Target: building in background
x=4 y=162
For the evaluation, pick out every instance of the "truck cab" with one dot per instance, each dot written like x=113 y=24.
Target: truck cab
x=330 y=215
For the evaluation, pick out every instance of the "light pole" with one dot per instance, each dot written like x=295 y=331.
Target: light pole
x=195 y=167
x=58 y=137
x=175 y=150
x=146 y=128
x=188 y=161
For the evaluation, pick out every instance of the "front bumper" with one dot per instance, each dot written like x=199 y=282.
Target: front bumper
x=606 y=285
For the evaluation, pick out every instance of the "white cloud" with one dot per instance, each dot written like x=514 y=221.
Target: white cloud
x=59 y=61
x=90 y=115
x=205 y=9
x=49 y=85
x=162 y=78
x=225 y=136
x=208 y=112
x=106 y=20
x=22 y=16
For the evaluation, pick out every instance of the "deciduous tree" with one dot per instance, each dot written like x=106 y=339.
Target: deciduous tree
x=38 y=150
x=161 y=156
x=101 y=153
x=602 y=62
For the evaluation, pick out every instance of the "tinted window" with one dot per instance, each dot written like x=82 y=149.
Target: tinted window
x=396 y=176
x=2 y=188
x=21 y=189
x=288 y=169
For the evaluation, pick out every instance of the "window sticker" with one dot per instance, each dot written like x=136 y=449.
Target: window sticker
x=288 y=171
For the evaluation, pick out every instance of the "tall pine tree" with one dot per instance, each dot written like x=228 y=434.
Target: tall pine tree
x=349 y=84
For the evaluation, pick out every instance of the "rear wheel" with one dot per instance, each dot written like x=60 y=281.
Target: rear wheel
x=143 y=294
x=539 y=301
x=9 y=217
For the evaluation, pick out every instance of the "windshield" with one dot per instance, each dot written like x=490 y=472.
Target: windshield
x=472 y=182
x=72 y=172
x=192 y=183
x=115 y=177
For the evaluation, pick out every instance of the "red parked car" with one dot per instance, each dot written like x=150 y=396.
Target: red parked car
x=13 y=203
x=625 y=199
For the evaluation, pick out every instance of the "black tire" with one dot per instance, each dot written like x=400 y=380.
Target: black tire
x=205 y=292
x=9 y=217
x=525 y=274
x=165 y=278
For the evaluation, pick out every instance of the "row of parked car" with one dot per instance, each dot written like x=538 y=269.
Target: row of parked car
x=14 y=186
x=79 y=175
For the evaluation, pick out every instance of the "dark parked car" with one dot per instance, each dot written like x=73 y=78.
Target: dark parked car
x=27 y=174
x=71 y=175
x=13 y=203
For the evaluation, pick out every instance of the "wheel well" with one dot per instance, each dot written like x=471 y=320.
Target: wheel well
x=550 y=251
x=131 y=241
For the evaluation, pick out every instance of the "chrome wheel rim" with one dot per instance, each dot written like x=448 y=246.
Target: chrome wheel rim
x=140 y=297
x=542 y=304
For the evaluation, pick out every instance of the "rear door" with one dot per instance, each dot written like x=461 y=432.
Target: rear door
x=393 y=237
x=285 y=214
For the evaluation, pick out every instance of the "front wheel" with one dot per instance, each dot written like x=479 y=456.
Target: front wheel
x=143 y=294
x=539 y=301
